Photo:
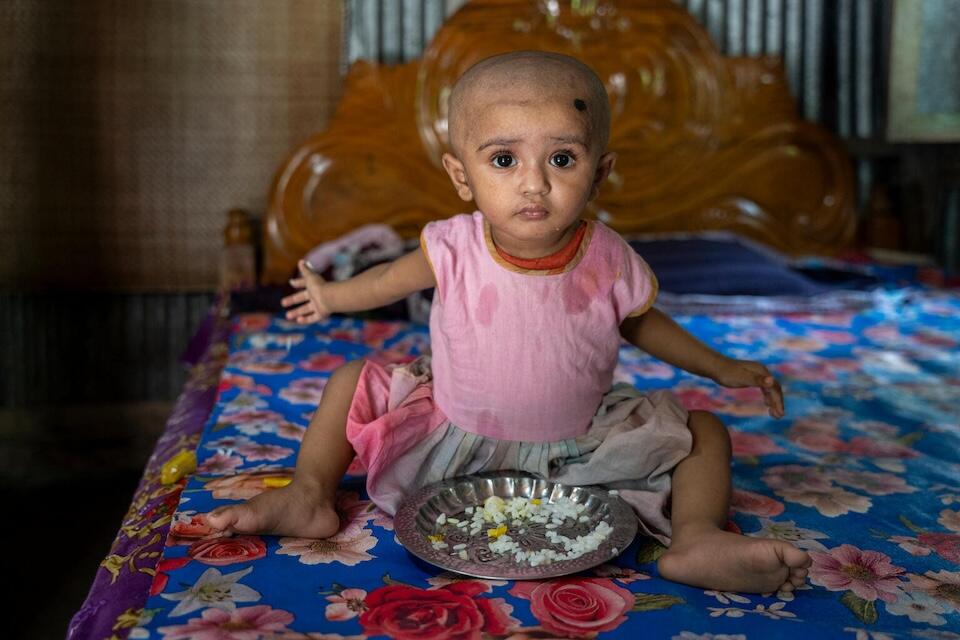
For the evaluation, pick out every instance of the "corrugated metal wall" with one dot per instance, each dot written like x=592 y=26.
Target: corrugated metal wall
x=832 y=49
x=79 y=348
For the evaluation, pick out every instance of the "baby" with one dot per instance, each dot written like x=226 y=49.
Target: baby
x=530 y=306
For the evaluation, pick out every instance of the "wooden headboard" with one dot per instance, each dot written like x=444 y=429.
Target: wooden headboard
x=704 y=141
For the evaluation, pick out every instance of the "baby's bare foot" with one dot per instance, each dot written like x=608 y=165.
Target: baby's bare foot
x=725 y=561
x=289 y=511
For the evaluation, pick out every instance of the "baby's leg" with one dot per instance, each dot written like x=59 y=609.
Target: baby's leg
x=701 y=552
x=305 y=507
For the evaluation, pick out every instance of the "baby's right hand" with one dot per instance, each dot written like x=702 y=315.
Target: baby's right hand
x=308 y=305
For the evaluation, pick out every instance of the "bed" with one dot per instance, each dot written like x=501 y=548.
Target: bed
x=864 y=470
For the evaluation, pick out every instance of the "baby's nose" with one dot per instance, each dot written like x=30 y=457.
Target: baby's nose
x=534 y=181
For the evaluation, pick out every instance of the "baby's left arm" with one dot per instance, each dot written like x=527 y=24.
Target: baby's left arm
x=657 y=334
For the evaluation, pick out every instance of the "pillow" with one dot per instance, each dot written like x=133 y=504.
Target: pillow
x=724 y=264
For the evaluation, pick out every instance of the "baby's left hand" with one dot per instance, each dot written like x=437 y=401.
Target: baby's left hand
x=747 y=373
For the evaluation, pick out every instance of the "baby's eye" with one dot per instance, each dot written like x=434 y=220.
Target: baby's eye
x=503 y=160
x=561 y=160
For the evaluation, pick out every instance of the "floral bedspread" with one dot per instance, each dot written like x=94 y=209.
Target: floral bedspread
x=864 y=472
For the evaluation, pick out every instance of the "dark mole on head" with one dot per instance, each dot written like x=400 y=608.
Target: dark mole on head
x=580 y=104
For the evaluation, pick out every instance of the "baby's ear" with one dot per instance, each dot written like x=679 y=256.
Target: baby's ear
x=458 y=176
x=604 y=167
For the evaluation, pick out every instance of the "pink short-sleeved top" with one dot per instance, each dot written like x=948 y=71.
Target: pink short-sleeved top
x=522 y=354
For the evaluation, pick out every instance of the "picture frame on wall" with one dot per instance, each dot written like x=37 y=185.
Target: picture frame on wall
x=924 y=87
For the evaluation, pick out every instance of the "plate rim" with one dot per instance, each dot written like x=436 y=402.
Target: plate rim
x=414 y=543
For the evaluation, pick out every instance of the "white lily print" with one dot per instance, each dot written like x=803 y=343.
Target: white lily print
x=215 y=590
x=789 y=531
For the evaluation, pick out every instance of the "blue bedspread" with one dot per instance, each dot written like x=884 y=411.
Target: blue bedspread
x=864 y=472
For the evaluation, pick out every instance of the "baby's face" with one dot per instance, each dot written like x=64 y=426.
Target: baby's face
x=531 y=164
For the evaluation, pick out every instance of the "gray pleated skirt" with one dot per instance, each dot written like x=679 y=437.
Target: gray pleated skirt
x=405 y=442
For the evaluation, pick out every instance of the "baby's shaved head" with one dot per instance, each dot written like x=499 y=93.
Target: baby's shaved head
x=533 y=76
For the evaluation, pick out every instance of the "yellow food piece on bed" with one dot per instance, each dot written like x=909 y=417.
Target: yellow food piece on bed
x=499 y=531
x=535 y=501
x=437 y=537
x=180 y=465
x=275 y=482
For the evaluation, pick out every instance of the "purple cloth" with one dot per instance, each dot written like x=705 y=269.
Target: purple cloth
x=123 y=580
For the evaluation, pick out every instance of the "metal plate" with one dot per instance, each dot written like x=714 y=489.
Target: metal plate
x=416 y=519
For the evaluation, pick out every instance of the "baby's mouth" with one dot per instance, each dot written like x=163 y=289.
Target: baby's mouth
x=533 y=212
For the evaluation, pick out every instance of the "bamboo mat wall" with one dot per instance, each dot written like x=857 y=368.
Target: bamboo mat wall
x=129 y=128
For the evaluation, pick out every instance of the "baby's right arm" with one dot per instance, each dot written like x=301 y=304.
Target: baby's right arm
x=378 y=286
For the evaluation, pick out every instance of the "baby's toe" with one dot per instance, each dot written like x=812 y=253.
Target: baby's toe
x=795 y=558
x=787 y=587
x=239 y=518
x=222 y=518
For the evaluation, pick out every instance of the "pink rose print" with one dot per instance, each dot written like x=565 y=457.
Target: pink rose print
x=188 y=529
x=575 y=607
x=223 y=551
x=869 y=574
x=447 y=578
x=448 y=613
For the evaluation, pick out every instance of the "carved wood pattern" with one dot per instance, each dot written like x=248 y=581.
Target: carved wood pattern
x=704 y=141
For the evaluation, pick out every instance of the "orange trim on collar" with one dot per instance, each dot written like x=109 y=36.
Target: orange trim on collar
x=558 y=262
